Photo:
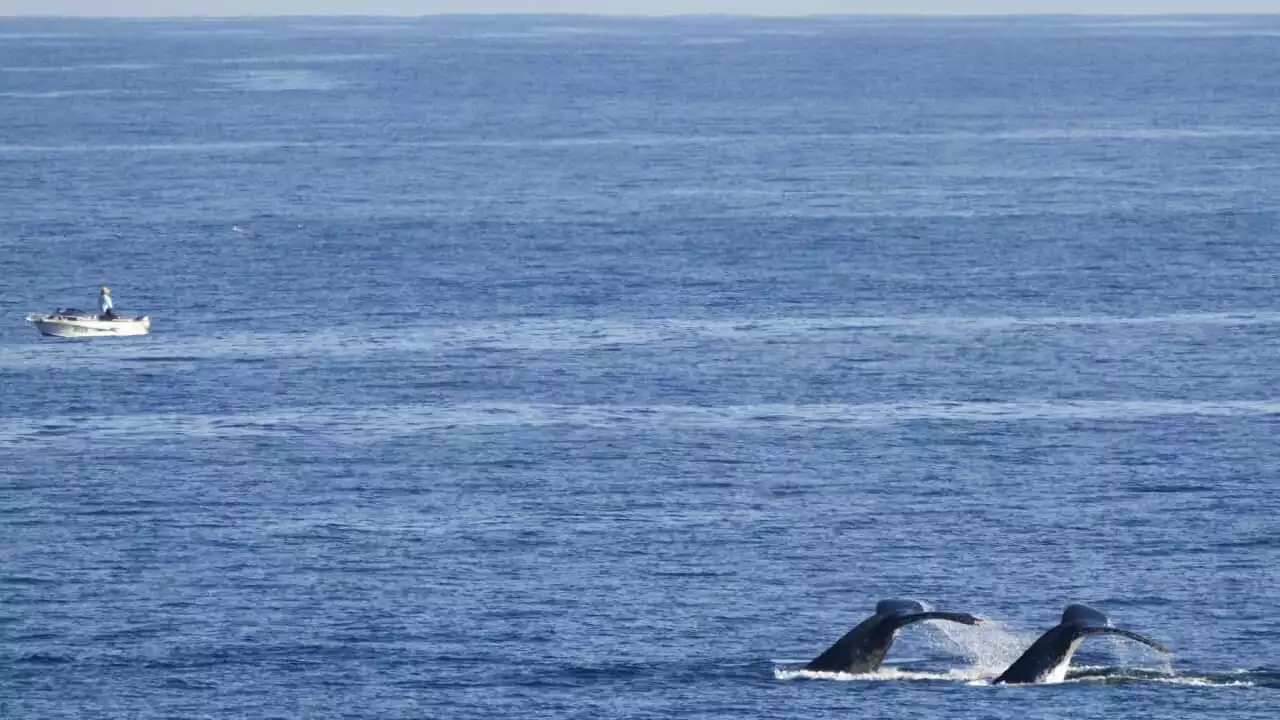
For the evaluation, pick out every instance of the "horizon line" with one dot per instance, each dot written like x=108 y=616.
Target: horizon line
x=659 y=15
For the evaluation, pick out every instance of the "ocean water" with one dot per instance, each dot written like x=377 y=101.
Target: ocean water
x=563 y=367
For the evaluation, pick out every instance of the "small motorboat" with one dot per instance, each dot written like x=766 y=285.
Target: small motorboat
x=72 y=323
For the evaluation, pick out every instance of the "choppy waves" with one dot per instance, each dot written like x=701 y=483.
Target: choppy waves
x=353 y=424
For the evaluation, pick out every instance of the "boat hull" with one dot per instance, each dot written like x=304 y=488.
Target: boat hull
x=89 y=327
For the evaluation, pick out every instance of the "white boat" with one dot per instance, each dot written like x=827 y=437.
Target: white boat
x=70 y=323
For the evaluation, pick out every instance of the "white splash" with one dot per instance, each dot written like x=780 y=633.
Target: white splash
x=883 y=674
x=1130 y=654
x=1202 y=682
x=990 y=647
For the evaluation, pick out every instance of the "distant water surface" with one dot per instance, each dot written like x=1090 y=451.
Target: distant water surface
x=578 y=367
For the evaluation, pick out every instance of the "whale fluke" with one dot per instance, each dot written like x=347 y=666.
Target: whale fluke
x=1048 y=657
x=1131 y=635
x=1083 y=614
x=887 y=607
x=862 y=649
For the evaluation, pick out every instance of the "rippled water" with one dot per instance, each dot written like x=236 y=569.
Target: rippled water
x=572 y=367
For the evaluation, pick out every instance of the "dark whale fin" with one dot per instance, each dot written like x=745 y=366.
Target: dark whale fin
x=1093 y=622
x=962 y=618
x=862 y=649
x=1083 y=615
x=1053 y=650
x=1129 y=634
x=887 y=607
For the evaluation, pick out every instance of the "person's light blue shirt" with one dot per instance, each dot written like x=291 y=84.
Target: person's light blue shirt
x=104 y=303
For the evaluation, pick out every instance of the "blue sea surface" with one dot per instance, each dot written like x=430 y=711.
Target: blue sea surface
x=572 y=367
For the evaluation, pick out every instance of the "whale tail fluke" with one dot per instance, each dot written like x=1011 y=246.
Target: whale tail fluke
x=962 y=618
x=863 y=648
x=1107 y=630
x=899 y=606
x=1049 y=656
x=1093 y=622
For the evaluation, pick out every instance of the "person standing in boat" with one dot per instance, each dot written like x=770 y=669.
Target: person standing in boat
x=106 y=311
